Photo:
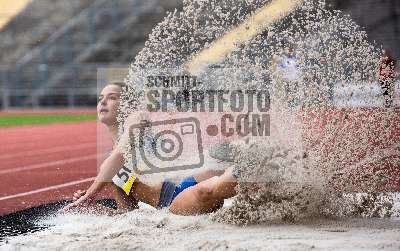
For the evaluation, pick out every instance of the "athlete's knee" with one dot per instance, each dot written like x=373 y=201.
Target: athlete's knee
x=204 y=193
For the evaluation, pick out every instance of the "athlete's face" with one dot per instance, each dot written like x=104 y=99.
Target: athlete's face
x=108 y=103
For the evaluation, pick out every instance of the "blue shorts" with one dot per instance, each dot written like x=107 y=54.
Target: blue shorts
x=169 y=190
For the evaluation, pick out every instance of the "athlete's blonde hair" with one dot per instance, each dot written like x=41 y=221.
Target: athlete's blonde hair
x=121 y=84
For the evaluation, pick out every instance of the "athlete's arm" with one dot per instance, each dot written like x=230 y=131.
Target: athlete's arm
x=108 y=169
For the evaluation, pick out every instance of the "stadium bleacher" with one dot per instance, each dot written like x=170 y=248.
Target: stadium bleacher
x=58 y=66
x=52 y=49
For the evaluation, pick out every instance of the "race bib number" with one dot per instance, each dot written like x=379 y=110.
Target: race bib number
x=124 y=179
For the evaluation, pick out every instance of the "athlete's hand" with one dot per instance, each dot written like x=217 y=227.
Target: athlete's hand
x=78 y=194
x=80 y=204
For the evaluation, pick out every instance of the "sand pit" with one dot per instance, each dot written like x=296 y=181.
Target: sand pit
x=148 y=229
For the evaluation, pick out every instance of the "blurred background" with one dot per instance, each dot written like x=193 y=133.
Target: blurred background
x=50 y=50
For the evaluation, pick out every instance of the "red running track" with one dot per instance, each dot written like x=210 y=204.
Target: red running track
x=46 y=163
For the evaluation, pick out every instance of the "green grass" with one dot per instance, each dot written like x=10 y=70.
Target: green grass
x=42 y=119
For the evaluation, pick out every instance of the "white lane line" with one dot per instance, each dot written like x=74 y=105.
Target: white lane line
x=49 y=150
x=49 y=164
x=46 y=189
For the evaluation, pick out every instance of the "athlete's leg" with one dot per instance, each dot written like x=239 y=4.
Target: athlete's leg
x=146 y=193
x=205 y=197
x=149 y=194
x=205 y=175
